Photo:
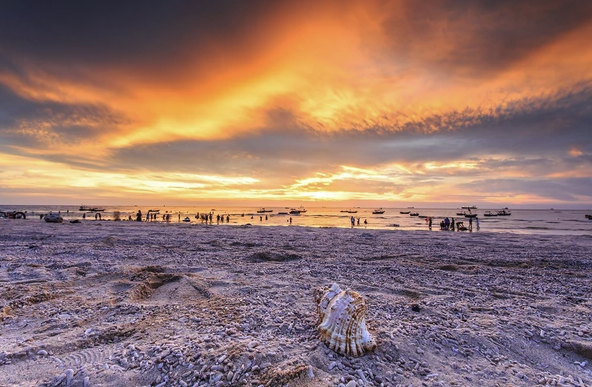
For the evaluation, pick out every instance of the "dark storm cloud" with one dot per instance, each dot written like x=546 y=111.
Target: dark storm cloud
x=116 y=33
x=477 y=37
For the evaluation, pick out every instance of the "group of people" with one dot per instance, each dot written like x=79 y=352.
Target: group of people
x=450 y=224
x=353 y=221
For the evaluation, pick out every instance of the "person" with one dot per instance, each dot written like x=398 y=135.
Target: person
x=358 y=221
x=471 y=224
x=261 y=218
x=452 y=224
x=365 y=222
x=290 y=220
x=352 y=221
x=139 y=216
x=227 y=218
x=447 y=223
x=84 y=216
x=477 y=223
x=430 y=222
x=265 y=217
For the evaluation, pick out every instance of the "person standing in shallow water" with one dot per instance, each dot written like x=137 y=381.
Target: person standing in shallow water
x=477 y=223
x=470 y=224
x=452 y=224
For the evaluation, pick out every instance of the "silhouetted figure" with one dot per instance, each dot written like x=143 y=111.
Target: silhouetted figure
x=452 y=224
x=139 y=216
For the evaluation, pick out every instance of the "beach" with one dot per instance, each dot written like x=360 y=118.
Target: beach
x=105 y=303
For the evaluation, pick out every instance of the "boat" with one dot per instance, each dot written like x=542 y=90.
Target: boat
x=295 y=211
x=461 y=213
x=263 y=210
x=489 y=213
x=282 y=213
x=504 y=212
x=91 y=209
x=349 y=211
x=414 y=214
x=154 y=211
x=404 y=212
x=469 y=207
x=378 y=212
x=469 y=215
x=588 y=216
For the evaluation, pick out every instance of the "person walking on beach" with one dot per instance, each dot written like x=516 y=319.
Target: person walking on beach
x=470 y=224
x=290 y=220
x=452 y=224
x=447 y=223
x=139 y=216
x=430 y=222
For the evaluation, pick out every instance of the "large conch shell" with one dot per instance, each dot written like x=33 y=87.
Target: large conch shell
x=342 y=320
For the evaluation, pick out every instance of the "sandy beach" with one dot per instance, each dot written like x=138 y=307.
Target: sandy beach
x=105 y=303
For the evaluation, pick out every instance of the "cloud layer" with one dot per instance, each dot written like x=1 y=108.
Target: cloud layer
x=391 y=101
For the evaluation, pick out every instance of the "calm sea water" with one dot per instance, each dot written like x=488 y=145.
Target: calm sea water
x=523 y=221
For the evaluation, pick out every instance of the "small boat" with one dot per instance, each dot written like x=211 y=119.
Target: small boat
x=349 y=211
x=378 y=212
x=282 y=213
x=588 y=216
x=263 y=210
x=469 y=207
x=154 y=211
x=462 y=213
x=504 y=212
x=489 y=213
x=469 y=215
x=414 y=214
x=404 y=212
x=294 y=211
x=301 y=209
x=91 y=209
x=53 y=218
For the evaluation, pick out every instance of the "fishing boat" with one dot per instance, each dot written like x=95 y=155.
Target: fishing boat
x=349 y=211
x=489 y=213
x=263 y=210
x=154 y=211
x=414 y=214
x=469 y=207
x=295 y=211
x=91 y=209
x=404 y=212
x=461 y=213
x=378 y=211
x=504 y=212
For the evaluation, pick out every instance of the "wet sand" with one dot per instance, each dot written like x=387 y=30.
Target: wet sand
x=143 y=304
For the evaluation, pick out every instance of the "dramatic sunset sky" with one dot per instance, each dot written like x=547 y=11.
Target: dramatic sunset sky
x=389 y=103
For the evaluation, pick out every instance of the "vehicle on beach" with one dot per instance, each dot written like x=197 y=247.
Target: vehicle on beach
x=91 y=209
x=263 y=210
x=13 y=214
x=489 y=213
x=378 y=211
x=504 y=212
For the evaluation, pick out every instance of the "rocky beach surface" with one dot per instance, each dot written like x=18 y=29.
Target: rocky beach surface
x=103 y=303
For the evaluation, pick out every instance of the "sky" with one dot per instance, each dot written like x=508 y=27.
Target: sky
x=369 y=102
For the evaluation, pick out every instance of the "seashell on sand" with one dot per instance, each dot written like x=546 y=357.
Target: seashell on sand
x=342 y=320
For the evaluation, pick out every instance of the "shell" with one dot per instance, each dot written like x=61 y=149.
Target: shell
x=342 y=320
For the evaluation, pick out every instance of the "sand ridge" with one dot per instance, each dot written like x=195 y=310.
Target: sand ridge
x=146 y=304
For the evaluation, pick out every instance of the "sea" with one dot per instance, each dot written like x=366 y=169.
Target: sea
x=521 y=221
